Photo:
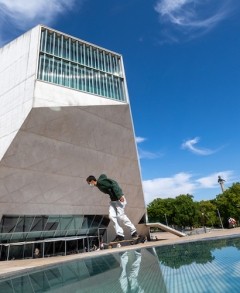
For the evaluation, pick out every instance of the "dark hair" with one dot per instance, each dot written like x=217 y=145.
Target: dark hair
x=90 y=178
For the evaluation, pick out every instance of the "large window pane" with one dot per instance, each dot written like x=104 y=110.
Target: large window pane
x=105 y=222
x=60 y=248
x=48 y=249
x=8 y=224
x=78 y=221
x=52 y=223
x=39 y=223
x=28 y=251
x=96 y=221
x=3 y=252
x=15 y=252
x=72 y=247
x=42 y=44
x=65 y=222
x=41 y=67
x=24 y=224
x=49 y=46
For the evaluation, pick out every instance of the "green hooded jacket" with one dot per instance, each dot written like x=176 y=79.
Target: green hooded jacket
x=110 y=187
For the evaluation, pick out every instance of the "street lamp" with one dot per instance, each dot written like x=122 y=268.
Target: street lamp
x=204 y=222
x=220 y=218
x=239 y=215
x=166 y=219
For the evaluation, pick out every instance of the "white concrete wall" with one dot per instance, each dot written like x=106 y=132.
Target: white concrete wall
x=18 y=61
x=53 y=95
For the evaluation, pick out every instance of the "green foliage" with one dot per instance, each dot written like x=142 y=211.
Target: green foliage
x=207 y=213
x=158 y=208
x=183 y=211
x=228 y=202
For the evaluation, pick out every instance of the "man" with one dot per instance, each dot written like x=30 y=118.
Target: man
x=117 y=204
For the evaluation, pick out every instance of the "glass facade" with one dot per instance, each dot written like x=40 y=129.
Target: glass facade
x=32 y=228
x=53 y=235
x=81 y=66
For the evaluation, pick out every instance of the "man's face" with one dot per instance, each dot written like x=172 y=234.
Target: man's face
x=91 y=183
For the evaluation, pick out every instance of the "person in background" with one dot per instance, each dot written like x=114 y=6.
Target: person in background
x=36 y=253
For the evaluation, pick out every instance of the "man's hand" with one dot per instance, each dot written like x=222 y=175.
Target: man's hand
x=121 y=199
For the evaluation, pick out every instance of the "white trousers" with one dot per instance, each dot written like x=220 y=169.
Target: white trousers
x=116 y=211
x=130 y=263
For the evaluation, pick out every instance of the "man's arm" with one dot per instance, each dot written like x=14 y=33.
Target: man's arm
x=117 y=191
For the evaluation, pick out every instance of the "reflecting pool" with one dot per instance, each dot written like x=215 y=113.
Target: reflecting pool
x=207 y=266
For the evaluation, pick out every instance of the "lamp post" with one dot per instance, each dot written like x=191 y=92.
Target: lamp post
x=220 y=218
x=166 y=219
x=204 y=222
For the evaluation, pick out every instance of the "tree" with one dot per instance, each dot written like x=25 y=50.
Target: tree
x=158 y=208
x=185 y=210
x=181 y=211
x=228 y=202
x=207 y=213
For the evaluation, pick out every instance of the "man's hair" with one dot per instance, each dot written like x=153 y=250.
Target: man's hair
x=90 y=178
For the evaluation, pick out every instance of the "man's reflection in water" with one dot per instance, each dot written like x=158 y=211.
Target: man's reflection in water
x=130 y=263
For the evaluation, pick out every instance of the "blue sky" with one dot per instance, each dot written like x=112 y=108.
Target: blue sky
x=182 y=62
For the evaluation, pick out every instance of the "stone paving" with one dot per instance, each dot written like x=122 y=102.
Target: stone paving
x=9 y=268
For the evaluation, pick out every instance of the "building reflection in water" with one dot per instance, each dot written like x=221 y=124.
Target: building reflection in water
x=123 y=272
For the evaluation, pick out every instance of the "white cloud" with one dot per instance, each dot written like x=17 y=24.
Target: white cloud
x=182 y=183
x=22 y=15
x=21 y=12
x=211 y=181
x=148 y=155
x=139 y=139
x=167 y=187
x=194 y=15
x=189 y=144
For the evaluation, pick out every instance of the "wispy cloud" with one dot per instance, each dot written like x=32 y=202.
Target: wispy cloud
x=19 y=15
x=193 y=17
x=148 y=155
x=139 y=139
x=189 y=144
x=182 y=183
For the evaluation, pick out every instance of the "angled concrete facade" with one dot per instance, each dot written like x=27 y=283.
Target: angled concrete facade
x=53 y=136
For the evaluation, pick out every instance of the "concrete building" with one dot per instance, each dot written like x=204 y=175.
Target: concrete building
x=64 y=115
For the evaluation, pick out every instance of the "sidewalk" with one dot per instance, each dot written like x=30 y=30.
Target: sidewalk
x=9 y=268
